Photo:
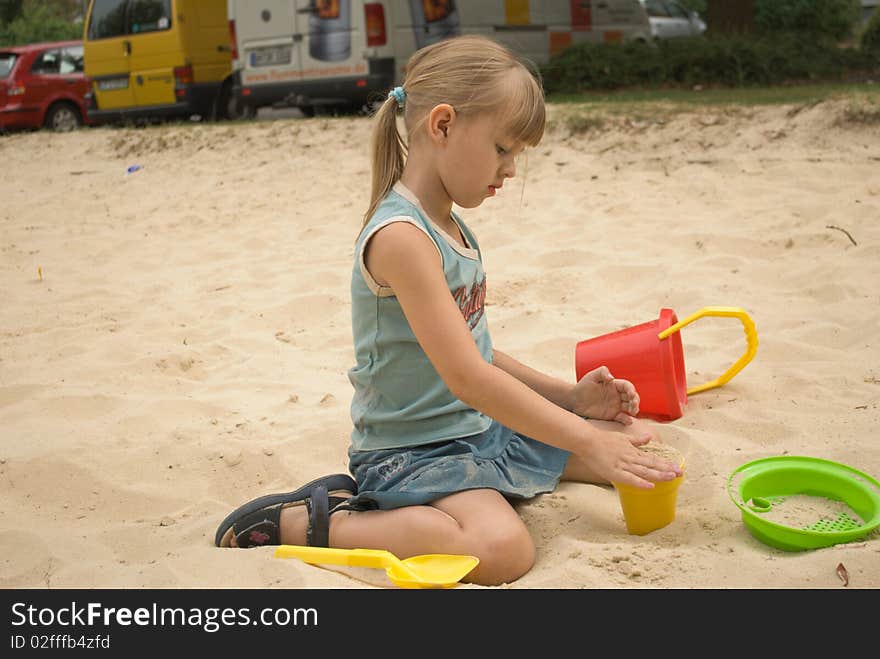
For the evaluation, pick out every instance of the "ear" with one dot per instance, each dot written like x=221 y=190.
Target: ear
x=440 y=120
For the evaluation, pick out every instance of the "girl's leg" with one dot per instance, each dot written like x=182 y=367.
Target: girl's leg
x=575 y=470
x=479 y=523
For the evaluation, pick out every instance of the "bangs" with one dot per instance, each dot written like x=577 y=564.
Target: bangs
x=523 y=114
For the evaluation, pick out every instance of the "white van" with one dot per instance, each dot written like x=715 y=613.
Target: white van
x=308 y=53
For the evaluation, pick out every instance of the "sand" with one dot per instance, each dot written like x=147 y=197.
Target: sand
x=175 y=341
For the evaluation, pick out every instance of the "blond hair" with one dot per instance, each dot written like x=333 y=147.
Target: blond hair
x=473 y=74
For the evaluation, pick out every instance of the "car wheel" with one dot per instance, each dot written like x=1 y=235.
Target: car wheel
x=62 y=118
x=231 y=107
x=234 y=109
x=244 y=111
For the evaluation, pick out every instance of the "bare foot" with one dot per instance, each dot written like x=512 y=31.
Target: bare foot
x=294 y=523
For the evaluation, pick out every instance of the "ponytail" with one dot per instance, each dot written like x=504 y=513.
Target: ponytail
x=388 y=154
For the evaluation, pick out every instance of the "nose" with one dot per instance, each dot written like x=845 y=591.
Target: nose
x=508 y=168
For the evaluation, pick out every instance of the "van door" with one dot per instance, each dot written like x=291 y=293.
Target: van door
x=268 y=40
x=435 y=20
x=205 y=38
x=680 y=22
x=615 y=19
x=334 y=38
x=327 y=34
x=155 y=49
x=107 y=54
x=415 y=24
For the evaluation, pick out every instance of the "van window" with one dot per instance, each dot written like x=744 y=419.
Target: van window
x=115 y=18
x=108 y=19
x=150 y=15
x=676 y=11
x=656 y=9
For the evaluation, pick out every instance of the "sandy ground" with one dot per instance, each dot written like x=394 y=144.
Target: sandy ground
x=175 y=341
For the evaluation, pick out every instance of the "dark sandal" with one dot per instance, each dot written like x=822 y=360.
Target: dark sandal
x=257 y=522
x=319 y=507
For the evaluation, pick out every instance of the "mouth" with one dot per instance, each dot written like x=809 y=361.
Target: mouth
x=493 y=189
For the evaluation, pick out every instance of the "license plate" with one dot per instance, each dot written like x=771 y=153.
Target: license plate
x=112 y=84
x=270 y=56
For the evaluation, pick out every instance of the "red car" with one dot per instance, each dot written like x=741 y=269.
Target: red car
x=43 y=85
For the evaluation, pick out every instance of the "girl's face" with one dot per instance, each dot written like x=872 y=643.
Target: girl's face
x=476 y=158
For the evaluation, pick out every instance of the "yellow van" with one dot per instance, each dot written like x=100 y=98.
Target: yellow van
x=157 y=58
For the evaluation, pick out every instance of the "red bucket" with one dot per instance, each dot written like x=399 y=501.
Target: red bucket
x=650 y=356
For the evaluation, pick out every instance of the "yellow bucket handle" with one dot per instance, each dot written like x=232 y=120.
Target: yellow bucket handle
x=751 y=340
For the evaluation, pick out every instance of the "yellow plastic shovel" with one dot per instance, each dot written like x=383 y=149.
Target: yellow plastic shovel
x=425 y=571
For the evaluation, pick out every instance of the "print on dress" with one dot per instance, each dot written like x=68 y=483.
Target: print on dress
x=471 y=302
x=391 y=466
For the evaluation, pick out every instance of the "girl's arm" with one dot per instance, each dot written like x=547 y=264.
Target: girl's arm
x=404 y=258
x=597 y=395
x=553 y=389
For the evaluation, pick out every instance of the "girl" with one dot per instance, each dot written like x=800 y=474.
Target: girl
x=448 y=431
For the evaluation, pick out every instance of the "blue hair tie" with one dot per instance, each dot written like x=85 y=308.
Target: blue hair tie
x=398 y=95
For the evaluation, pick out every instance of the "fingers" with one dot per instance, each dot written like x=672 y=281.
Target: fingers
x=624 y=418
x=629 y=397
x=634 y=405
x=626 y=388
x=660 y=470
x=643 y=476
x=641 y=440
x=630 y=405
x=667 y=472
x=599 y=375
x=634 y=481
x=651 y=467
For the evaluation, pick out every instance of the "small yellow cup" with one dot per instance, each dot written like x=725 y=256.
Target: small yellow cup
x=648 y=510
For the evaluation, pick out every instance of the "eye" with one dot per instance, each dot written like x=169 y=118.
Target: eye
x=500 y=149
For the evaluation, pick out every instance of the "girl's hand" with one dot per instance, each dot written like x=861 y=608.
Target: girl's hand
x=599 y=395
x=615 y=457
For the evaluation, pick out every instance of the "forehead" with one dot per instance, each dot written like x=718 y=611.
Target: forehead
x=493 y=127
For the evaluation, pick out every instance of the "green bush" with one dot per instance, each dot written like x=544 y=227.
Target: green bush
x=730 y=61
x=832 y=19
x=603 y=66
x=870 y=39
x=9 y=10
x=38 y=23
x=698 y=6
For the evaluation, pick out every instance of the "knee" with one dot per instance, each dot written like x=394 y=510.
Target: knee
x=505 y=555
